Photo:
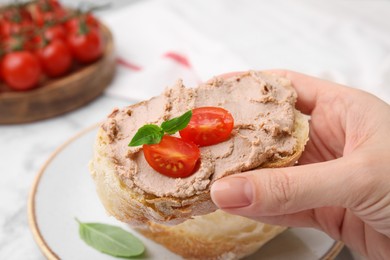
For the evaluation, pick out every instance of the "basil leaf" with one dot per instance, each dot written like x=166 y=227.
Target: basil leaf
x=177 y=123
x=148 y=134
x=152 y=134
x=110 y=239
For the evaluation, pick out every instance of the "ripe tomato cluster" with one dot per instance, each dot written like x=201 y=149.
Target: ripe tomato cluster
x=178 y=157
x=44 y=39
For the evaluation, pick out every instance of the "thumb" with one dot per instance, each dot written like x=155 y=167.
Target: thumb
x=280 y=191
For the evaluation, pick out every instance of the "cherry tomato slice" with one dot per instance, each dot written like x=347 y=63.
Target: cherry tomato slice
x=172 y=157
x=208 y=126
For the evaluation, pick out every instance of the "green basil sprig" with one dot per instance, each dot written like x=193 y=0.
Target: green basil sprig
x=152 y=134
x=148 y=134
x=110 y=239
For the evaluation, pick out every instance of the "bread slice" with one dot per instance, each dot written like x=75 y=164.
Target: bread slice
x=204 y=233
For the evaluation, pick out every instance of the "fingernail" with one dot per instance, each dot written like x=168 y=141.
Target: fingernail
x=232 y=192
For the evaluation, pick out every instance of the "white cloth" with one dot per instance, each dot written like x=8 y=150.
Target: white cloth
x=344 y=41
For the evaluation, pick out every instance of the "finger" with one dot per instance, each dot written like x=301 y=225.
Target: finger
x=274 y=192
x=309 y=89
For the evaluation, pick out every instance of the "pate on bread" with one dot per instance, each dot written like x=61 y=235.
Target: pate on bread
x=268 y=132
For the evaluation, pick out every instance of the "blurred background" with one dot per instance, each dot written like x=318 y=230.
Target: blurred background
x=159 y=41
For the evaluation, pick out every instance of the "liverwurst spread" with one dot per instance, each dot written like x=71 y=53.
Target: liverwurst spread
x=263 y=110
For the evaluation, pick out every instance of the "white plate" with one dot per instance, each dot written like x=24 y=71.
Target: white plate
x=64 y=190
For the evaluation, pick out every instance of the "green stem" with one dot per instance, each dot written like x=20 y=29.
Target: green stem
x=83 y=28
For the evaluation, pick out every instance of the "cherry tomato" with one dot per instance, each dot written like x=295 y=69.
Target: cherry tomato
x=208 y=126
x=86 y=46
x=47 y=12
x=55 y=58
x=7 y=28
x=21 y=70
x=15 y=15
x=37 y=15
x=13 y=43
x=74 y=23
x=15 y=20
x=172 y=157
x=55 y=32
x=49 y=5
x=42 y=18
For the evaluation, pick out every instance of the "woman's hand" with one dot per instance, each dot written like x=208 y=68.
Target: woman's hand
x=342 y=185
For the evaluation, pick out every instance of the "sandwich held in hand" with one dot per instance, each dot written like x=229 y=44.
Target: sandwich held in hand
x=161 y=182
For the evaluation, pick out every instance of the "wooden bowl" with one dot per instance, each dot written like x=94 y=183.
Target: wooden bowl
x=61 y=95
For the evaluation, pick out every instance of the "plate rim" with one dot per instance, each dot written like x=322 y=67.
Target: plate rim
x=32 y=220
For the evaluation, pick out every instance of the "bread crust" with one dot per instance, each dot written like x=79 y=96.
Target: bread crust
x=203 y=237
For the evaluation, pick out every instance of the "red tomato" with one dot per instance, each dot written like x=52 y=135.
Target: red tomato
x=33 y=43
x=55 y=32
x=208 y=126
x=8 y=29
x=12 y=43
x=41 y=18
x=86 y=46
x=16 y=14
x=55 y=58
x=49 y=5
x=74 y=23
x=37 y=15
x=21 y=70
x=172 y=157
x=47 y=12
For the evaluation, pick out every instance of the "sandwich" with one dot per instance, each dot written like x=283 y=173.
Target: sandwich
x=175 y=209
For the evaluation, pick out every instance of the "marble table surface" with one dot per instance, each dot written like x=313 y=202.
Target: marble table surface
x=23 y=150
